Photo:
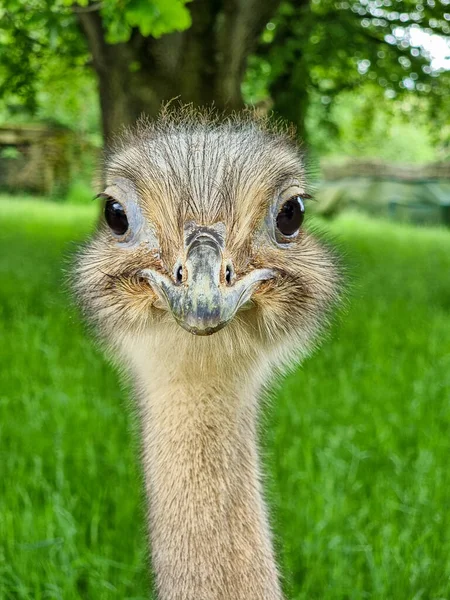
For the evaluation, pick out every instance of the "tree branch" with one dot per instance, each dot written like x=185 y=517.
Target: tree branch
x=86 y=9
x=92 y=26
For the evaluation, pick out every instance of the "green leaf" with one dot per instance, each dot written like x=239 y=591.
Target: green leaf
x=157 y=17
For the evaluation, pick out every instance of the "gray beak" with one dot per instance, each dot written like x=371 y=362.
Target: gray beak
x=204 y=302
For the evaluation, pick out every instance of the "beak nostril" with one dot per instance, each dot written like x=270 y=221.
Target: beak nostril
x=179 y=274
x=228 y=274
x=203 y=305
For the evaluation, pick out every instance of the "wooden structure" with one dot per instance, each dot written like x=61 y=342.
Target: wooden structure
x=378 y=169
x=412 y=193
x=35 y=158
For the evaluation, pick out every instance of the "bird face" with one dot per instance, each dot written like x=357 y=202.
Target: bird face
x=203 y=229
x=203 y=295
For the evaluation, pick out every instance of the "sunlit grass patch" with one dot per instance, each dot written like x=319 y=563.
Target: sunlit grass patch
x=356 y=439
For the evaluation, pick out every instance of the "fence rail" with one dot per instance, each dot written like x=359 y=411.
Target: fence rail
x=375 y=169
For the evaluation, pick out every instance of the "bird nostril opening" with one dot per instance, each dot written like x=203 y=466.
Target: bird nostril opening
x=179 y=274
x=228 y=274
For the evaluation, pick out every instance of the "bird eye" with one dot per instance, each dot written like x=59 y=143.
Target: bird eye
x=116 y=217
x=291 y=216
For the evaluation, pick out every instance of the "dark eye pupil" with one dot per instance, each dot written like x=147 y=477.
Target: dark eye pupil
x=291 y=216
x=115 y=217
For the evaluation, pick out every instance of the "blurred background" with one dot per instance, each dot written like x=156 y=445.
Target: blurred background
x=357 y=439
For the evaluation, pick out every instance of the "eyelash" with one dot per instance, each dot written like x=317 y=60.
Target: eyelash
x=103 y=196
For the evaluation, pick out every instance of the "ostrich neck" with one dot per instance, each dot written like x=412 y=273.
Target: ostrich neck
x=208 y=525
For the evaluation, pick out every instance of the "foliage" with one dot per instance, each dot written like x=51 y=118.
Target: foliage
x=35 y=37
x=151 y=17
x=9 y=152
x=43 y=67
x=322 y=48
x=356 y=440
x=364 y=123
x=352 y=74
x=40 y=44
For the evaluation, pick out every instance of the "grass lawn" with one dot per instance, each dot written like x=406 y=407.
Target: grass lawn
x=357 y=440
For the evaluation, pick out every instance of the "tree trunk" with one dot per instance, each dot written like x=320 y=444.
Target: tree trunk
x=202 y=65
x=290 y=96
x=289 y=91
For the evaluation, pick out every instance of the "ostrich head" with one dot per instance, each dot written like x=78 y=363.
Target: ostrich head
x=202 y=248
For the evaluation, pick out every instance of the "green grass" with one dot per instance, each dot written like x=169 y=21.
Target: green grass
x=357 y=439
